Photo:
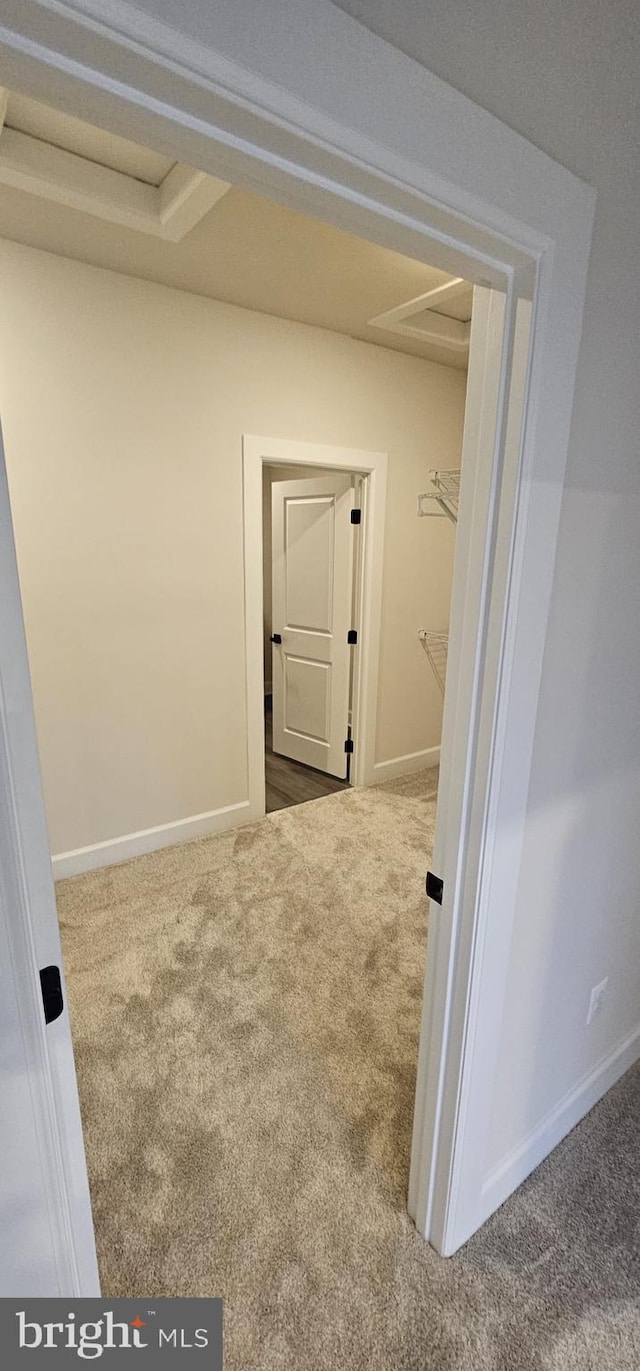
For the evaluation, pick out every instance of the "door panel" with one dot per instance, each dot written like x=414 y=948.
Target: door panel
x=309 y=562
x=307 y=696
x=47 y=1245
x=312 y=579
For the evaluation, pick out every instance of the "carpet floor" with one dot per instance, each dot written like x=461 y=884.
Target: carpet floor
x=245 y=1012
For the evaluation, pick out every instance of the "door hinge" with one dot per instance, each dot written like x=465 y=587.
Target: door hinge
x=348 y=745
x=356 y=516
x=435 y=887
x=51 y=987
x=352 y=635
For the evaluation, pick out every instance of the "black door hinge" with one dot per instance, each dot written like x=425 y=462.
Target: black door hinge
x=51 y=987
x=356 y=516
x=348 y=745
x=435 y=887
x=352 y=636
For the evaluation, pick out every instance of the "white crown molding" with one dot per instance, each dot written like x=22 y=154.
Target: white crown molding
x=167 y=211
x=440 y=329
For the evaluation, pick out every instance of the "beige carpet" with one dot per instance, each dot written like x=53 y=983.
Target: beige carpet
x=245 y=1013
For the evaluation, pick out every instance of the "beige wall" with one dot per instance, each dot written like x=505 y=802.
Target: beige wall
x=123 y=405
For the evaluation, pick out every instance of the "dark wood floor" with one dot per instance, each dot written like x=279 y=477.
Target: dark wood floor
x=291 y=783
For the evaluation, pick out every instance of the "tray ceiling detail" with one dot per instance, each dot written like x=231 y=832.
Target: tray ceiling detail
x=441 y=316
x=83 y=192
x=62 y=159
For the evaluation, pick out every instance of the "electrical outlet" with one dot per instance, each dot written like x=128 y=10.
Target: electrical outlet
x=596 y=998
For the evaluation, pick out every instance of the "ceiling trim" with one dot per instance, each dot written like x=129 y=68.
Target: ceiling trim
x=167 y=211
x=439 y=328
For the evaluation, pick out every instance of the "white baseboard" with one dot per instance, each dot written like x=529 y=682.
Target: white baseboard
x=523 y=1159
x=403 y=766
x=150 y=840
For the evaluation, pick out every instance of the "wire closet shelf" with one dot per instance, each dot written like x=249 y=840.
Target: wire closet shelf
x=436 y=646
x=440 y=502
x=445 y=496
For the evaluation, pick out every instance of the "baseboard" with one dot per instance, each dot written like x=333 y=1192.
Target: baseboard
x=150 y=840
x=523 y=1159
x=403 y=766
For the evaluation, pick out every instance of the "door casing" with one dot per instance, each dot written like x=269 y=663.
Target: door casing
x=257 y=452
x=427 y=173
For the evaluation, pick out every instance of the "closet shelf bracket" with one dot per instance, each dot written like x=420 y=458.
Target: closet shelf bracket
x=445 y=495
x=436 y=646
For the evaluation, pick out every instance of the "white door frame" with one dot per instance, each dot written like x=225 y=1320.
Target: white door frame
x=256 y=453
x=288 y=107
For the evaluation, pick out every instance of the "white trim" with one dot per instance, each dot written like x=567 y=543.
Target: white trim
x=429 y=1193
x=28 y=914
x=166 y=211
x=504 y=1178
x=524 y=518
x=372 y=466
x=404 y=766
x=122 y=849
x=290 y=110
x=185 y=196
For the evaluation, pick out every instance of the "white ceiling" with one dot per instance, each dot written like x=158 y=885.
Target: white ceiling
x=246 y=250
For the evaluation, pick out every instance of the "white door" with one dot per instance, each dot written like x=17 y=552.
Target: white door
x=450 y=1195
x=47 y=1245
x=312 y=580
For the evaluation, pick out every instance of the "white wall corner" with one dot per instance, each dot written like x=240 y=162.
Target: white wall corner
x=509 y=1173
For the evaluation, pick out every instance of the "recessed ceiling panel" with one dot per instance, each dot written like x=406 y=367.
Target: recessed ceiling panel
x=423 y=319
x=84 y=193
x=442 y=315
x=64 y=131
x=460 y=308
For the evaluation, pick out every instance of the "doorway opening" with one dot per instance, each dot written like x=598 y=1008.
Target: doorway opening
x=351 y=579
x=325 y=672
x=310 y=562
x=496 y=234
x=318 y=604
x=328 y=600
